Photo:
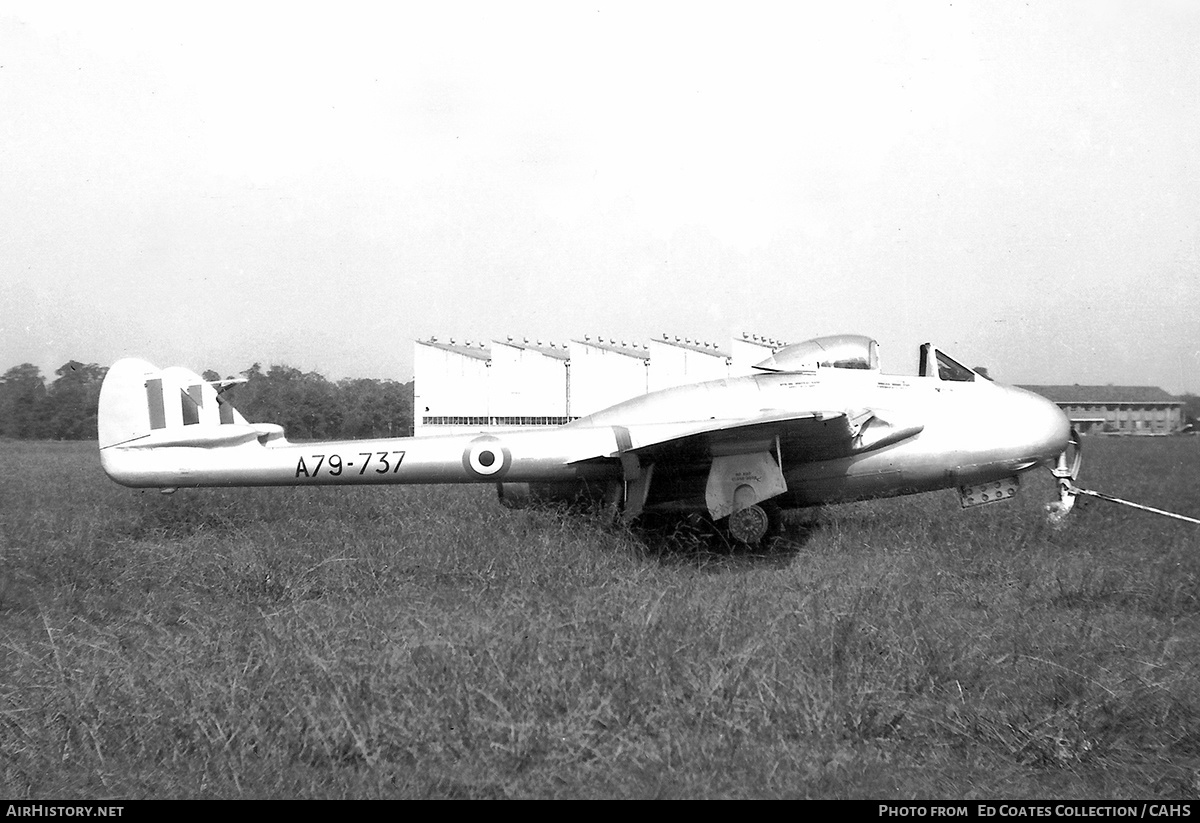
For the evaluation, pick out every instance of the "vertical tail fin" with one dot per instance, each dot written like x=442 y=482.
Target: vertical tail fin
x=139 y=401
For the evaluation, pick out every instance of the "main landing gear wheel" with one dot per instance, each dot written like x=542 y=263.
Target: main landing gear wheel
x=749 y=525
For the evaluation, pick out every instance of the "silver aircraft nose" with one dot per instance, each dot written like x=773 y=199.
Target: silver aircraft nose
x=1041 y=426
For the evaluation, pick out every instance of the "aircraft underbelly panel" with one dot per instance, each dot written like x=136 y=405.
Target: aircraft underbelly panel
x=833 y=488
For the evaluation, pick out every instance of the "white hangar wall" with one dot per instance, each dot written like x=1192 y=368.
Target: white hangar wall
x=675 y=362
x=450 y=386
x=529 y=383
x=604 y=373
x=467 y=386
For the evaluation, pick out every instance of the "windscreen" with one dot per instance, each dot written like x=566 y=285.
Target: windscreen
x=948 y=368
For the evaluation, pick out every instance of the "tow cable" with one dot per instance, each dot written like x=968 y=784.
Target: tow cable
x=1067 y=470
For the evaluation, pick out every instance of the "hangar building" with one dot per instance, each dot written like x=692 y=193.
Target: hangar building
x=451 y=387
x=521 y=383
x=605 y=371
x=530 y=383
x=675 y=362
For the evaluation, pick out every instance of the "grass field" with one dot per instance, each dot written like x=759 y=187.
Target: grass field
x=425 y=642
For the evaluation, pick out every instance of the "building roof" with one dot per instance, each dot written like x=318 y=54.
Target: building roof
x=477 y=351
x=552 y=350
x=619 y=348
x=760 y=340
x=711 y=349
x=1104 y=394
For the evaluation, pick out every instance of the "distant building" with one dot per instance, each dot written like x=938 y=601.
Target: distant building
x=464 y=385
x=1117 y=409
x=451 y=388
x=604 y=372
x=530 y=383
x=676 y=362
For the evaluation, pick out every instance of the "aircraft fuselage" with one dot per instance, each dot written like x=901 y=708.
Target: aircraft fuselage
x=945 y=434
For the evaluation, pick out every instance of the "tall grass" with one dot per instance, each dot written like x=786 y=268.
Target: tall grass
x=424 y=642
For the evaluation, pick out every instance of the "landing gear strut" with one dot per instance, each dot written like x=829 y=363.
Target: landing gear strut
x=1066 y=472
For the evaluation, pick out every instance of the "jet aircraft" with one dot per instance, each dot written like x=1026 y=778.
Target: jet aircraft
x=819 y=423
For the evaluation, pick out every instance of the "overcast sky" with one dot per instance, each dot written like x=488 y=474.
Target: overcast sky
x=215 y=184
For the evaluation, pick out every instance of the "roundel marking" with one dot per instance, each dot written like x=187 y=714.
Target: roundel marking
x=486 y=457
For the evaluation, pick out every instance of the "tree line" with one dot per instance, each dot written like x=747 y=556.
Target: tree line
x=306 y=404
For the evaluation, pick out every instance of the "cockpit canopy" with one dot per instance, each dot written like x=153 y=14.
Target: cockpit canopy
x=840 y=351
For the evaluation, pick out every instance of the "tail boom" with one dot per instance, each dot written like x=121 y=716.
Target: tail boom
x=517 y=456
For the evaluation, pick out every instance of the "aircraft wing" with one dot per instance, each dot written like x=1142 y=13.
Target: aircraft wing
x=703 y=440
x=800 y=436
x=731 y=453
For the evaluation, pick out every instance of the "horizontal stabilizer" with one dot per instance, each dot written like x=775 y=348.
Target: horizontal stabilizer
x=207 y=436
